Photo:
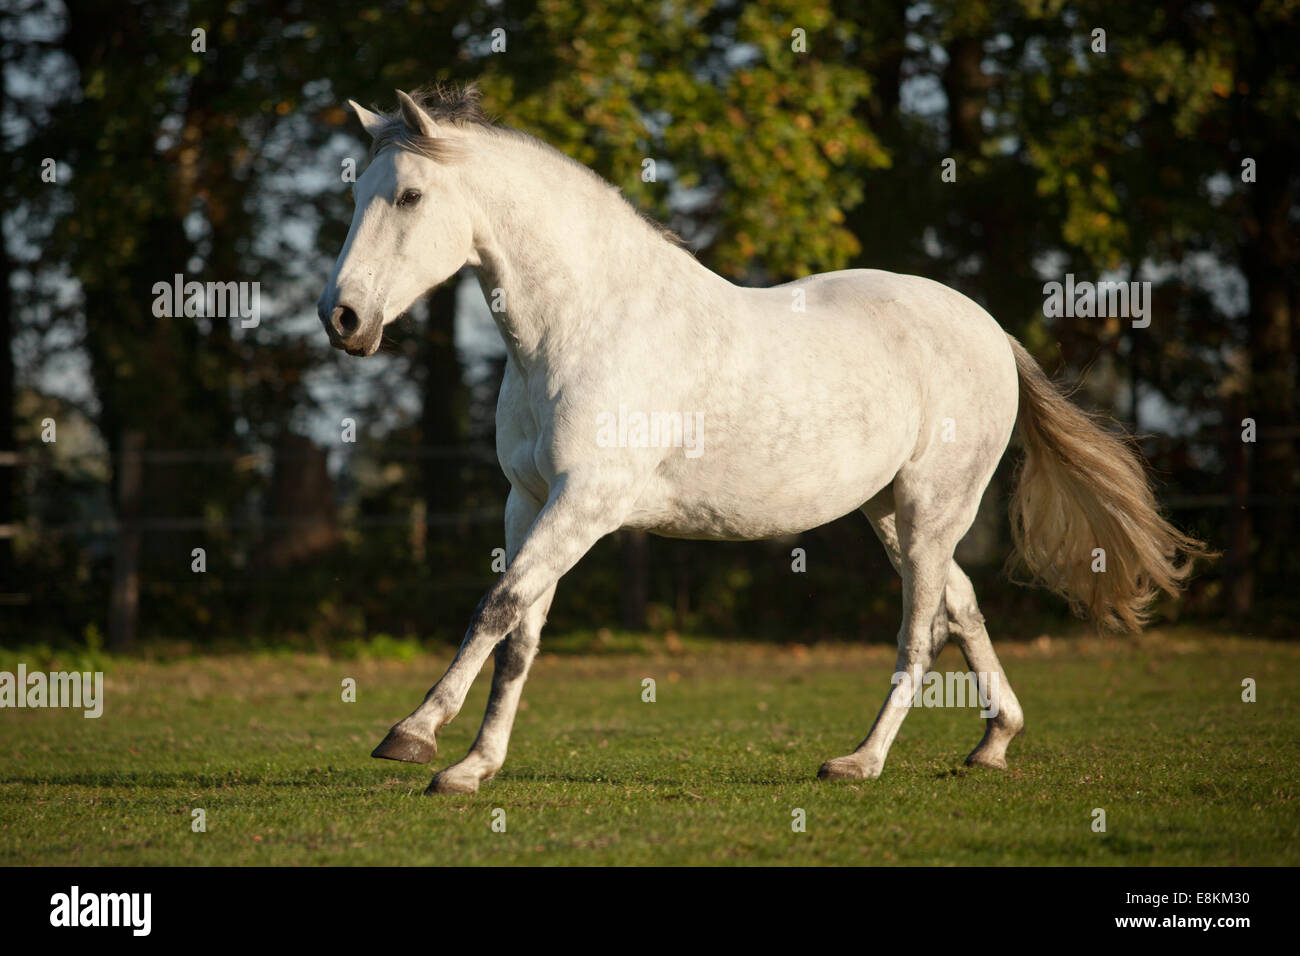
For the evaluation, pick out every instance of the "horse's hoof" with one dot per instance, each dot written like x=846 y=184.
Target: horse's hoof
x=403 y=746
x=977 y=759
x=446 y=783
x=845 y=768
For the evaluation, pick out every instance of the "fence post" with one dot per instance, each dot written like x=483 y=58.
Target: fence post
x=124 y=603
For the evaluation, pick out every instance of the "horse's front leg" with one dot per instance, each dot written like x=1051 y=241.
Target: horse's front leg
x=513 y=656
x=577 y=515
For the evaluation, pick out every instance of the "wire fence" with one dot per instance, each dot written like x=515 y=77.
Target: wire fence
x=125 y=519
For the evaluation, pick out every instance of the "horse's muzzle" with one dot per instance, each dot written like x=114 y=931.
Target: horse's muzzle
x=347 y=332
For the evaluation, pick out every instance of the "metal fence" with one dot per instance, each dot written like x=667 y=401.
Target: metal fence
x=131 y=517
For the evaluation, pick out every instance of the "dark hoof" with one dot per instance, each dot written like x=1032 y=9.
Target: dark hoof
x=404 y=747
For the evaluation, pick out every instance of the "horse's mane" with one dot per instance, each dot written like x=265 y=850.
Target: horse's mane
x=445 y=103
x=461 y=105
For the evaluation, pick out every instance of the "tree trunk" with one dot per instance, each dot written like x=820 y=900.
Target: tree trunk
x=1266 y=263
x=440 y=418
x=125 y=600
x=302 y=514
x=1240 y=583
x=636 y=579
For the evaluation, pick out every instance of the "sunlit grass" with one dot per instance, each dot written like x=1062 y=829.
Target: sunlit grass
x=1154 y=732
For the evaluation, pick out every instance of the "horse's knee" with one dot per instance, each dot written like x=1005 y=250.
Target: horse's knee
x=515 y=654
x=499 y=611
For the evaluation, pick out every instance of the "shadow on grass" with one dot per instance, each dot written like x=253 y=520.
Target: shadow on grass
x=158 y=780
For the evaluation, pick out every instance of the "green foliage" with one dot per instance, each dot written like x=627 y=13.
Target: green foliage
x=720 y=98
x=790 y=136
x=381 y=647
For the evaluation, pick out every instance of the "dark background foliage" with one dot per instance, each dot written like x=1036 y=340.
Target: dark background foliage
x=773 y=162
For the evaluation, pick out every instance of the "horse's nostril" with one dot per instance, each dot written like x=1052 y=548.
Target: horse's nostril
x=345 y=321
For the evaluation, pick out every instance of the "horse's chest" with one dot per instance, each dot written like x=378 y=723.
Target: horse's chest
x=524 y=458
x=522 y=442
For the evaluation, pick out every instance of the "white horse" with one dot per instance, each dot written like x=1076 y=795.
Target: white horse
x=889 y=394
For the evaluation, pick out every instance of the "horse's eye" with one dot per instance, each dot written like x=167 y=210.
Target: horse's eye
x=409 y=198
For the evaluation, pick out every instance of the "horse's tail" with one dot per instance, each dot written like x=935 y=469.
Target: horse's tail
x=1081 y=488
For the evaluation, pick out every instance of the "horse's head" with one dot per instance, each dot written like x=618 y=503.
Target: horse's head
x=410 y=231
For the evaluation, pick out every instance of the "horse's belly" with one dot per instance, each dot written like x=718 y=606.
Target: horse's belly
x=706 y=523
x=790 y=458
x=736 y=509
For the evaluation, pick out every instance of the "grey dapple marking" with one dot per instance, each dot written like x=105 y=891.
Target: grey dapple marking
x=807 y=416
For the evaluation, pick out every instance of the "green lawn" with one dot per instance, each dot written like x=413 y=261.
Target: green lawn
x=1154 y=732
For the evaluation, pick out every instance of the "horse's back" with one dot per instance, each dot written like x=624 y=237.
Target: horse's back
x=896 y=324
x=893 y=300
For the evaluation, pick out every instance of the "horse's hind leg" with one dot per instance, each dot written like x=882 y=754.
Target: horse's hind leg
x=966 y=625
x=924 y=533
x=966 y=628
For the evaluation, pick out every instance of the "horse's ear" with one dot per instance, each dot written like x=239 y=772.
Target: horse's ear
x=415 y=118
x=372 y=122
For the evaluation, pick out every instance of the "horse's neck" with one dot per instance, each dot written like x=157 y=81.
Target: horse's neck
x=560 y=253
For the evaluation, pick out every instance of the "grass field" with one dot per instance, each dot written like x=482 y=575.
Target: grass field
x=1154 y=732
